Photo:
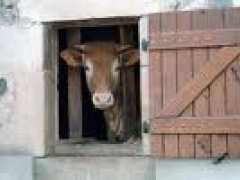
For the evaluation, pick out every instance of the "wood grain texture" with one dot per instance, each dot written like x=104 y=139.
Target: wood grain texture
x=156 y=100
x=217 y=88
x=185 y=74
x=168 y=24
x=198 y=83
x=206 y=75
x=232 y=20
x=129 y=88
x=155 y=83
x=74 y=90
x=157 y=148
x=196 y=39
x=196 y=125
x=201 y=104
x=154 y=27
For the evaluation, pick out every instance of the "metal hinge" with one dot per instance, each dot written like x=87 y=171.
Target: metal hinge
x=146 y=127
x=3 y=86
x=144 y=45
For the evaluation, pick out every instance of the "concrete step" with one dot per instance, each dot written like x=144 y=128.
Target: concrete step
x=95 y=168
x=16 y=167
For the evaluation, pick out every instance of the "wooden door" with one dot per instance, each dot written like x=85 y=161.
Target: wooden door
x=195 y=83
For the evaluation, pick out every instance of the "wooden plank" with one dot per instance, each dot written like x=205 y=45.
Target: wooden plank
x=168 y=23
x=217 y=89
x=233 y=89
x=157 y=145
x=196 y=39
x=184 y=74
x=154 y=27
x=155 y=63
x=233 y=105
x=202 y=146
x=74 y=90
x=171 y=146
x=201 y=104
x=206 y=75
x=95 y=22
x=234 y=146
x=196 y=125
x=155 y=83
x=232 y=20
x=128 y=87
x=157 y=148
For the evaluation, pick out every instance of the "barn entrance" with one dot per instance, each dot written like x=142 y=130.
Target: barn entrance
x=79 y=121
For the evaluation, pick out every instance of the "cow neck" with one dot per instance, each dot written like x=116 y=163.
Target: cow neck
x=113 y=117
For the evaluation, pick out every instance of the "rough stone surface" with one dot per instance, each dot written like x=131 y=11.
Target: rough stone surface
x=16 y=168
x=197 y=170
x=95 y=168
x=130 y=168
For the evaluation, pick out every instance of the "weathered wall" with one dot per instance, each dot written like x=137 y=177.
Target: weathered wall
x=108 y=168
x=16 y=168
x=55 y=10
x=99 y=168
x=95 y=168
x=197 y=170
x=23 y=122
x=22 y=106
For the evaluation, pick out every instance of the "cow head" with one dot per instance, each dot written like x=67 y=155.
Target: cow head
x=102 y=65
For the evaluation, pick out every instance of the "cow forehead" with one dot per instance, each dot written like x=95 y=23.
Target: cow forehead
x=101 y=51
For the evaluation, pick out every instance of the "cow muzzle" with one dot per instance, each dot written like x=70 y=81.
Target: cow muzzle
x=103 y=100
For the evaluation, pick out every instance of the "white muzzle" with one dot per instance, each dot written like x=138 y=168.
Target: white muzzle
x=103 y=100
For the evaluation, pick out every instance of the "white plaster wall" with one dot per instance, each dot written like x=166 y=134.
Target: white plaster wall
x=22 y=107
x=21 y=47
x=236 y=2
x=59 y=10
x=55 y=10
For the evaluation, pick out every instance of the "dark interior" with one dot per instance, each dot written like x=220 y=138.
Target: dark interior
x=93 y=119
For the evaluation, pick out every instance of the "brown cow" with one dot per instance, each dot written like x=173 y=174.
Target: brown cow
x=102 y=64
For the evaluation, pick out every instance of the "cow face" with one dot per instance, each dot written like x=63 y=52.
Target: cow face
x=102 y=65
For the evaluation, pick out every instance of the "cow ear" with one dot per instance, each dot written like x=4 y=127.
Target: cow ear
x=132 y=57
x=72 y=56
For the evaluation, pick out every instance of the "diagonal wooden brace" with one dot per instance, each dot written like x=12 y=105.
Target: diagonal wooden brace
x=210 y=71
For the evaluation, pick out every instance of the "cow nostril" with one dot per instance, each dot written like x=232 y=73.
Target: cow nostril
x=96 y=98
x=103 y=99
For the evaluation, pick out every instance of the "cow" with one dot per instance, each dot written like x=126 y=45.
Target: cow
x=102 y=64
